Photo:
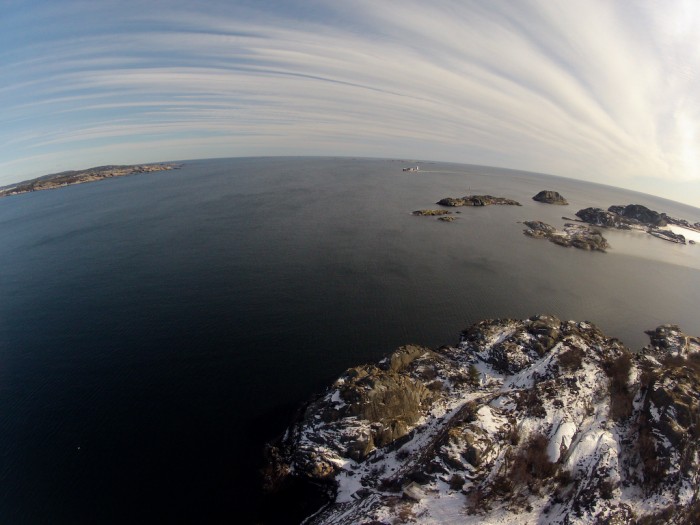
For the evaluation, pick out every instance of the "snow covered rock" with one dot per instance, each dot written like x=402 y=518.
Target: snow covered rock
x=576 y=235
x=524 y=421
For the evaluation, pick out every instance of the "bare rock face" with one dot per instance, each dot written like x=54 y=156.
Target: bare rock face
x=524 y=421
x=550 y=197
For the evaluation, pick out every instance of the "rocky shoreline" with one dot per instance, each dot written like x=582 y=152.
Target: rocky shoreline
x=524 y=421
x=69 y=178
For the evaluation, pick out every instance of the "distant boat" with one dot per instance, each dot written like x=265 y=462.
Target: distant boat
x=411 y=169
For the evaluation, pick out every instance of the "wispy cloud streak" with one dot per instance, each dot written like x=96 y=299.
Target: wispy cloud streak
x=596 y=90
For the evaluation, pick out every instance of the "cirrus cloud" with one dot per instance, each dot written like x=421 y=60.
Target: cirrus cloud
x=596 y=90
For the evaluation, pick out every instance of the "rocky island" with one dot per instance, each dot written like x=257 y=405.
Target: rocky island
x=576 y=235
x=637 y=217
x=477 y=200
x=442 y=215
x=524 y=421
x=68 y=178
x=550 y=197
x=430 y=213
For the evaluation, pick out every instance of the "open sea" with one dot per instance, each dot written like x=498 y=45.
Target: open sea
x=157 y=329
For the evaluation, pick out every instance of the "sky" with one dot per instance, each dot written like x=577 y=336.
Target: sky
x=604 y=91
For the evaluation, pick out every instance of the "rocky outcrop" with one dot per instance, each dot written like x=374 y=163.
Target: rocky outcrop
x=430 y=213
x=640 y=214
x=539 y=228
x=524 y=421
x=668 y=339
x=442 y=215
x=576 y=235
x=477 y=200
x=683 y=223
x=636 y=217
x=604 y=218
x=550 y=197
x=667 y=235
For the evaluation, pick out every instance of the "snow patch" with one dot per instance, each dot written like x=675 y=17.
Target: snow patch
x=561 y=439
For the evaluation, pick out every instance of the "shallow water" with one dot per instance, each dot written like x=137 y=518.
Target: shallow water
x=156 y=329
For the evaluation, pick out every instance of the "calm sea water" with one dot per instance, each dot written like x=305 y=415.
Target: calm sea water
x=155 y=330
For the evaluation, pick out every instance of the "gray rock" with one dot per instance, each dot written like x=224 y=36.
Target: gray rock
x=576 y=235
x=606 y=219
x=550 y=197
x=667 y=235
x=477 y=200
x=429 y=213
x=640 y=214
x=539 y=226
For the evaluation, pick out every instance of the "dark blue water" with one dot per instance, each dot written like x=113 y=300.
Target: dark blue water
x=155 y=330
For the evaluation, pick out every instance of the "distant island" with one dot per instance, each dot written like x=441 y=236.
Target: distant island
x=68 y=178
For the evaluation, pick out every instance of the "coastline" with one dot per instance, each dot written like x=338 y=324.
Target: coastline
x=71 y=178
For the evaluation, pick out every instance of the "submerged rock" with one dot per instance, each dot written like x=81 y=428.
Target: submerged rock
x=524 y=421
x=550 y=197
x=477 y=200
x=576 y=235
x=447 y=218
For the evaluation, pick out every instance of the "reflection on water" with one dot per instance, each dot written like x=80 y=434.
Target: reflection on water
x=688 y=234
x=642 y=245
